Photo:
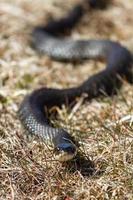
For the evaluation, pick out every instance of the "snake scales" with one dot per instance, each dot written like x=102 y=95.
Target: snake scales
x=47 y=40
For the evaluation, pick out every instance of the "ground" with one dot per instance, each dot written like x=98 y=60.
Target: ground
x=103 y=126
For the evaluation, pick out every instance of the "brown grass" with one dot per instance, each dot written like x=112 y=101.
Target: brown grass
x=103 y=126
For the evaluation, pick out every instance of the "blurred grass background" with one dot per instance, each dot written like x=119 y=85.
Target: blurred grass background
x=26 y=169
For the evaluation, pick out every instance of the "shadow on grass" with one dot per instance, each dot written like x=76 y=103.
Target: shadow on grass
x=84 y=165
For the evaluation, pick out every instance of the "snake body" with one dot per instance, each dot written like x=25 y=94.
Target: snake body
x=46 y=40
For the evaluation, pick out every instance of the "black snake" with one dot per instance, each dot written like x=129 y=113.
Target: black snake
x=46 y=40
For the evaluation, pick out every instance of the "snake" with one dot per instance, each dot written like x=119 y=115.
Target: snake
x=48 y=39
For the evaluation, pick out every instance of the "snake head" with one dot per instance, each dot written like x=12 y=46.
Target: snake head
x=65 y=151
x=64 y=146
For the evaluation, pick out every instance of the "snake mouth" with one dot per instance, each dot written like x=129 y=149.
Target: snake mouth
x=64 y=156
x=65 y=152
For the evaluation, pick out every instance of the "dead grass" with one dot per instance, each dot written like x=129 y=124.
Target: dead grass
x=105 y=167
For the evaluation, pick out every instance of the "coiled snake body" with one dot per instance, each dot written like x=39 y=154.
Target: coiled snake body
x=46 y=40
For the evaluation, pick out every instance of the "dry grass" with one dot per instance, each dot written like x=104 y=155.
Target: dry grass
x=26 y=171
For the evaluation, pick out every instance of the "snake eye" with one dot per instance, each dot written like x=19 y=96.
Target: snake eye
x=68 y=148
